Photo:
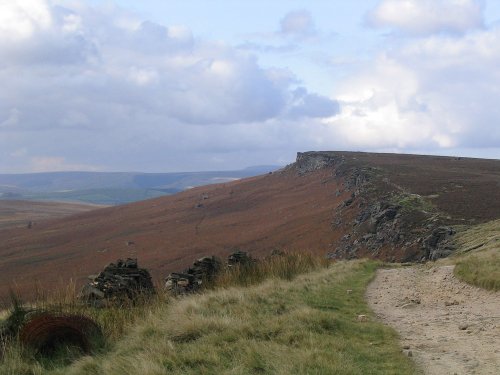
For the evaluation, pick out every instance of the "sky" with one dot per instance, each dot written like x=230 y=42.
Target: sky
x=194 y=85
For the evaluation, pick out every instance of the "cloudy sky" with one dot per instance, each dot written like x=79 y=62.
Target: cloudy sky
x=183 y=85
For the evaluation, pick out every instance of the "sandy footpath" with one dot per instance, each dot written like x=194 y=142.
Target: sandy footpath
x=447 y=326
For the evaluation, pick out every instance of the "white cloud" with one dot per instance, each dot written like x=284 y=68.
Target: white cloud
x=437 y=92
x=424 y=17
x=21 y=19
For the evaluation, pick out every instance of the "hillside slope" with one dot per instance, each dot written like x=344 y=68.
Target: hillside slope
x=342 y=204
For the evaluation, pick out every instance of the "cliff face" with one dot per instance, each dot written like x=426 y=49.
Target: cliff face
x=397 y=206
x=314 y=160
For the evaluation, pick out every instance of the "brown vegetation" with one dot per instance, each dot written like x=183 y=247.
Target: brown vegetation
x=288 y=210
x=19 y=214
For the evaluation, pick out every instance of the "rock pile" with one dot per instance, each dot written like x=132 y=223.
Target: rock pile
x=239 y=258
x=203 y=270
x=118 y=281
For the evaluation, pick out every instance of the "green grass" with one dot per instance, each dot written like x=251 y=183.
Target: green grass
x=478 y=259
x=412 y=202
x=287 y=324
x=106 y=196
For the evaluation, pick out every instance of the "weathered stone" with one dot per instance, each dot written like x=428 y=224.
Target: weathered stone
x=119 y=281
x=311 y=161
x=437 y=244
x=239 y=257
x=192 y=279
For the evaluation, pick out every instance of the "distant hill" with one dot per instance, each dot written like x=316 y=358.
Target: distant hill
x=111 y=188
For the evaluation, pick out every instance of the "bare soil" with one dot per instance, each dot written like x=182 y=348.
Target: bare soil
x=447 y=326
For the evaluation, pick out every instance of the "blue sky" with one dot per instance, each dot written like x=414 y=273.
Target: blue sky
x=205 y=85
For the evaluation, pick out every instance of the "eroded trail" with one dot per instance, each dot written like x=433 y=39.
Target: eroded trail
x=450 y=327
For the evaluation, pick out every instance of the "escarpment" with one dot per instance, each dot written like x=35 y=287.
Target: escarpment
x=398 y=207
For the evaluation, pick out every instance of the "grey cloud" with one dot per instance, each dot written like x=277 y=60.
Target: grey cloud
x=312 y=105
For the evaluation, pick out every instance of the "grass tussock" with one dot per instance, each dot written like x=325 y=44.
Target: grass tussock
x=288 y=315
x=114 y=322
x=283 y=266
x=478 y=259
x=412 y=202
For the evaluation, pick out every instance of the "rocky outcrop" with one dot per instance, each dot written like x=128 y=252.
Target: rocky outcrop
x=119 y=281
x=383 y=221
x=314 y=160
x=384 y=227
x=438 y=244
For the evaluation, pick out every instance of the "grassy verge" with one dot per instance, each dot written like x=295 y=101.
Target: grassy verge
x=302 y=325
x=478 y=260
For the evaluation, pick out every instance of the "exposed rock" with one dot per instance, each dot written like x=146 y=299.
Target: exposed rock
x=204 y=270
x=311 y=161
x=119 y=281
x=239 y=257
x=192 y=279
x=348 y=202
x=437 y=244
x=355 y=179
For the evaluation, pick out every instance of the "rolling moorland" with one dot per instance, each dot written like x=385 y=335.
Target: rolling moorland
x=332 y=205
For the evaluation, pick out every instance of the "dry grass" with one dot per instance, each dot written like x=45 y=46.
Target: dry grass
x=285 y=266
x=287 y=324
x=478 y=260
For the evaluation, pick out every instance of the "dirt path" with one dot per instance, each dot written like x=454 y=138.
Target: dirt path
x=448 y=326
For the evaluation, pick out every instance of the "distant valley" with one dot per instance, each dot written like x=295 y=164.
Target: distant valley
x=111 y=188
